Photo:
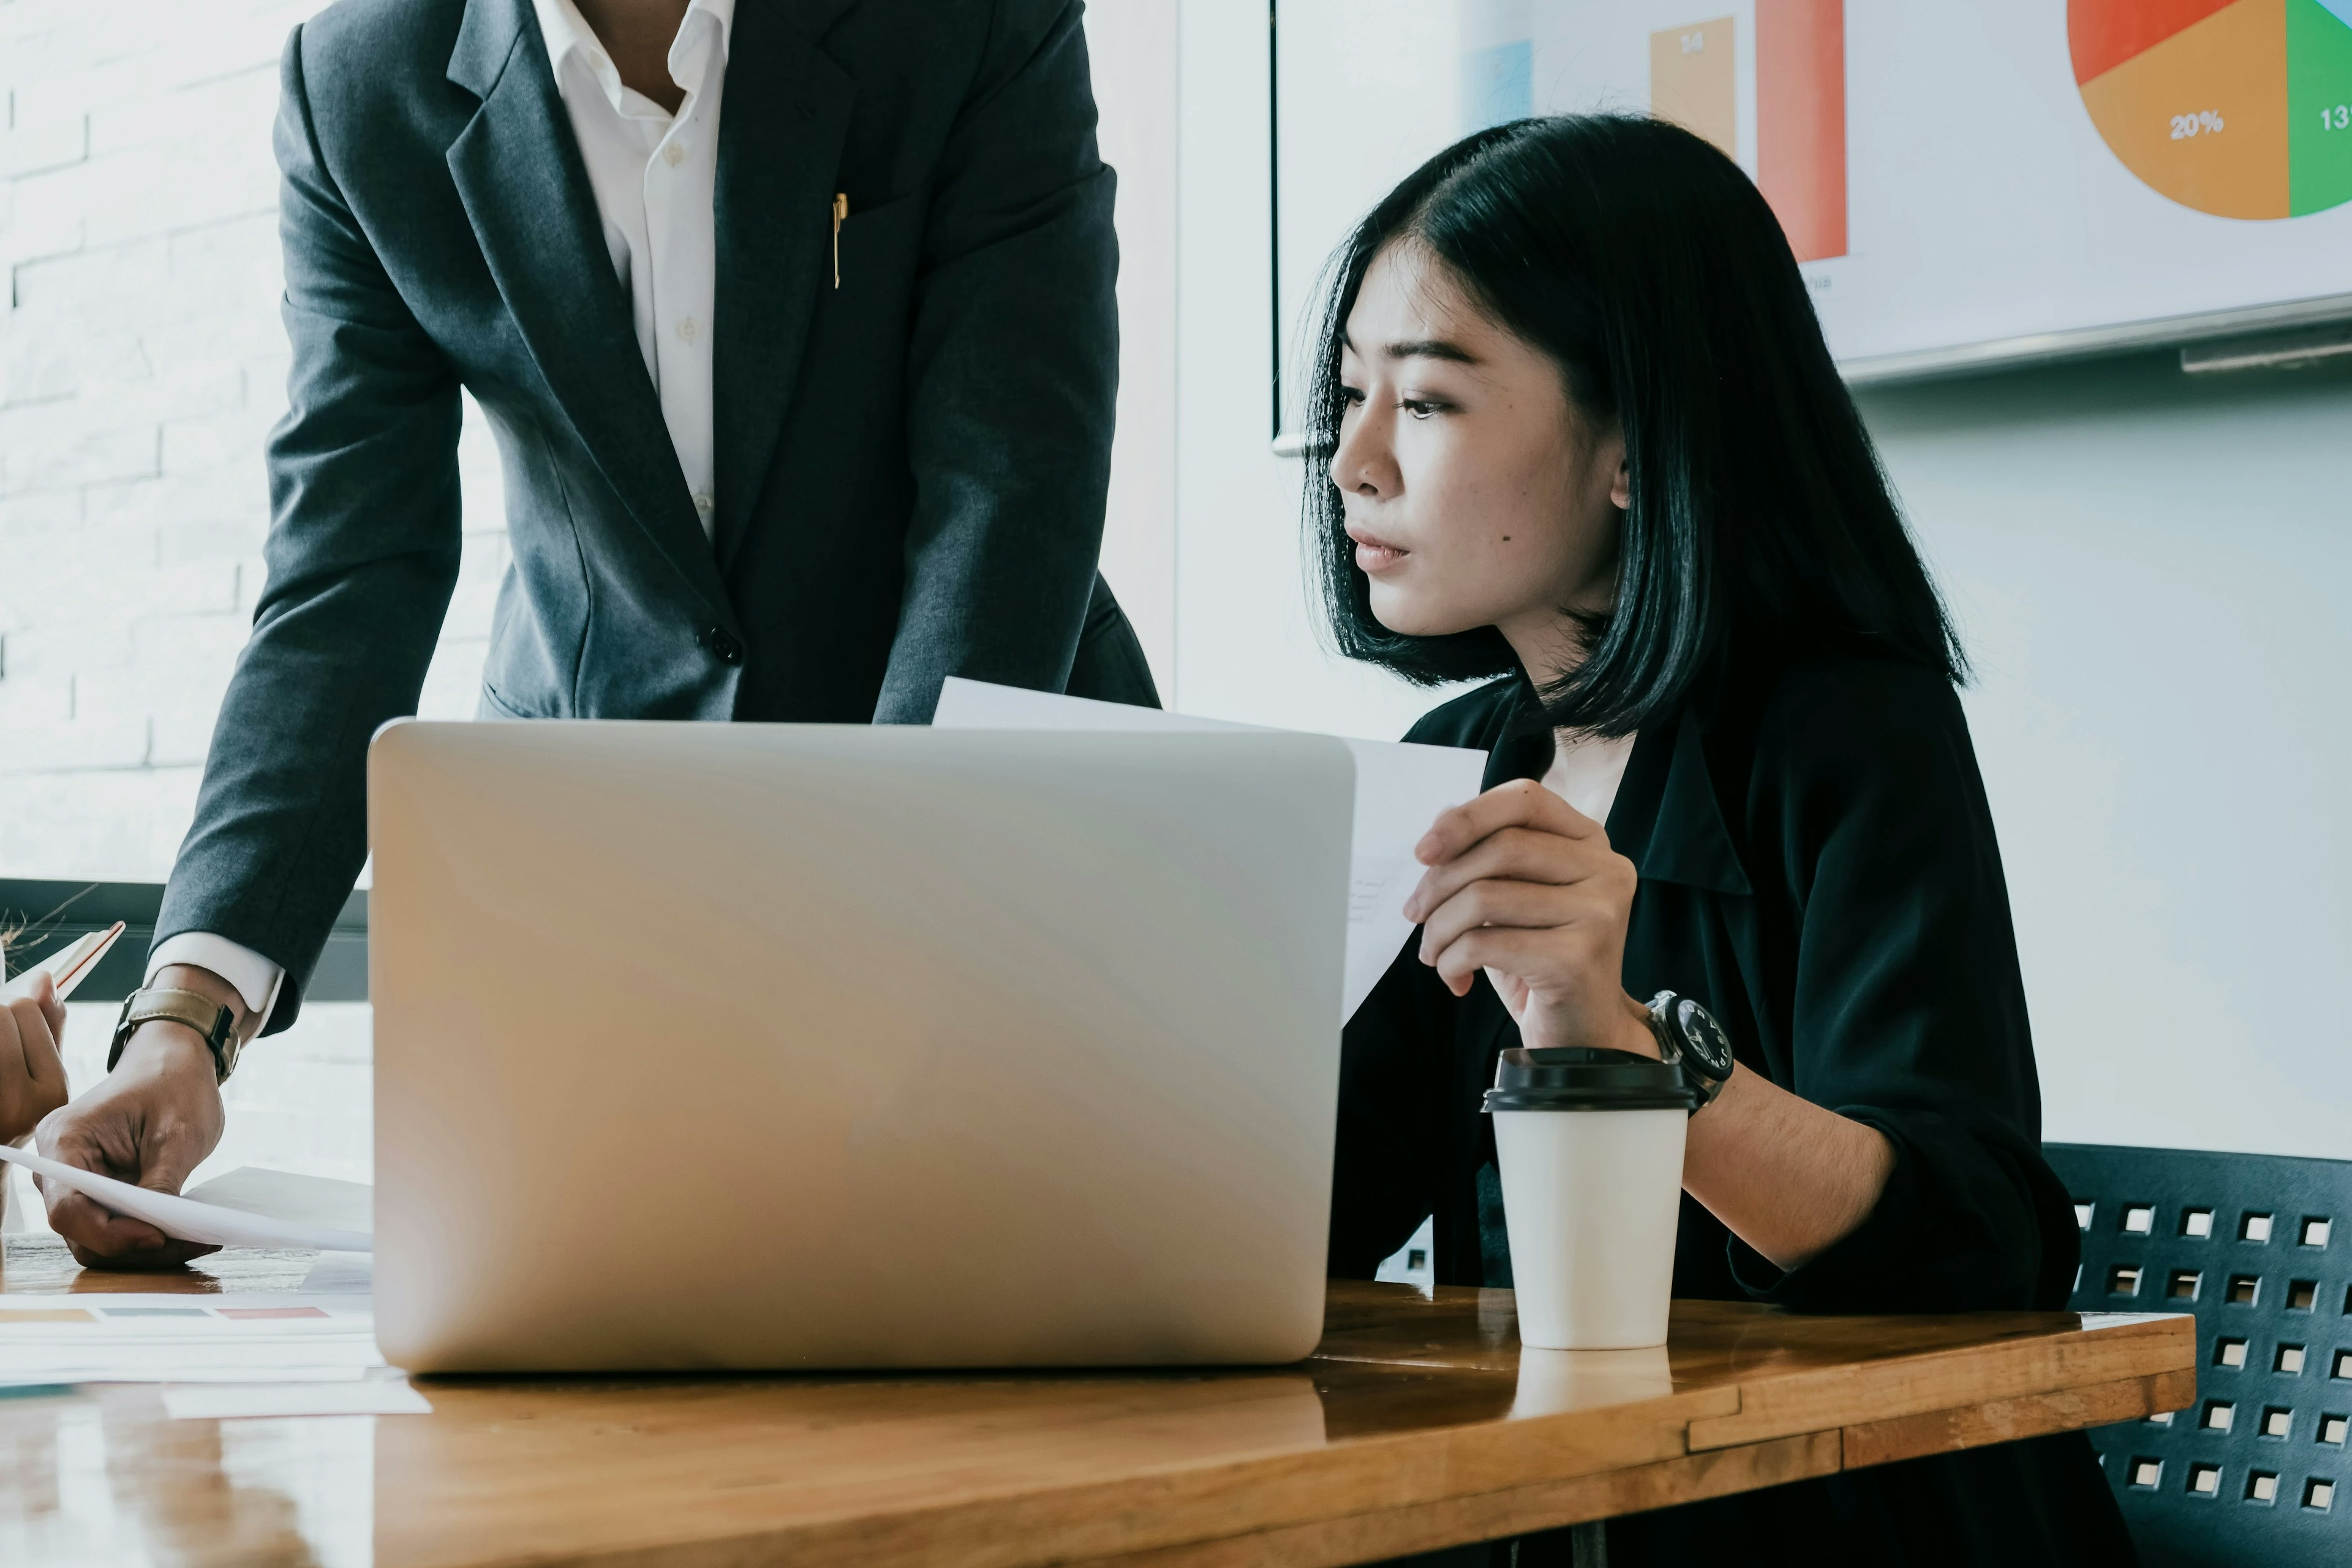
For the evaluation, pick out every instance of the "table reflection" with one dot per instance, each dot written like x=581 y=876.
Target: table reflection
x=103 y=1478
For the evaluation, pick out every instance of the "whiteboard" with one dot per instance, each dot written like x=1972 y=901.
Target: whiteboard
x=1965 y=183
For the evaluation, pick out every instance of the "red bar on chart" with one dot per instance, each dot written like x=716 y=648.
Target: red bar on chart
x=1801 y=121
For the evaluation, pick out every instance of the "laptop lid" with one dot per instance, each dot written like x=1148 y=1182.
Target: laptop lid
x=739 y=1046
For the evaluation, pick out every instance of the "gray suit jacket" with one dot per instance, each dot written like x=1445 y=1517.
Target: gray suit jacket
x=911 y=468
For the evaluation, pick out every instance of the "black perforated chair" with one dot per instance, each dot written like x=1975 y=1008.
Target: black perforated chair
x=2259 y=1248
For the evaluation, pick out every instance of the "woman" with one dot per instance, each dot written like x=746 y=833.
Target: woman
x=1585 y=438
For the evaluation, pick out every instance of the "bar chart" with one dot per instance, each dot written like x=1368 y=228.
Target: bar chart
x=1799 y=64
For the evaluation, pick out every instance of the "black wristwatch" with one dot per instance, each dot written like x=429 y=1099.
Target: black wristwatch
x=1690 y=1037
x=214 y=1022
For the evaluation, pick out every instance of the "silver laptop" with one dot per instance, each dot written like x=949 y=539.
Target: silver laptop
x=732 y=1046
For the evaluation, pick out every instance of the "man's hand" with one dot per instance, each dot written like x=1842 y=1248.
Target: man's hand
x=31 y=1075
x=153 y=1120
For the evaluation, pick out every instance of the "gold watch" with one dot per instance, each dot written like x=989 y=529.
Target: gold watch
x=215 y=1022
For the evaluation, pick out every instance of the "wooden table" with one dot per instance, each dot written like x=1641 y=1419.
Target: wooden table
x=1419 y=1422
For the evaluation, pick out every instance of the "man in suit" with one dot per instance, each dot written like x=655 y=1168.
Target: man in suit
x=795 y=322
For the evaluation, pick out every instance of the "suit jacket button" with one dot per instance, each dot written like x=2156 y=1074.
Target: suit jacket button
x=724 y=645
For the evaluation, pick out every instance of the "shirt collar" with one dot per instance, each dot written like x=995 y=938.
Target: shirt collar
x=566 y=32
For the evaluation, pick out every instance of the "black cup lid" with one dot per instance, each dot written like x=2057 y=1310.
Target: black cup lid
x=1579 y=1077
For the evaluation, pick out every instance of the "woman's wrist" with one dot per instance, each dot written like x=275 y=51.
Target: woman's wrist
x=1634 y=1032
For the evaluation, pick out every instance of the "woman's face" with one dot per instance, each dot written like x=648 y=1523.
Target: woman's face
x=1477 y=493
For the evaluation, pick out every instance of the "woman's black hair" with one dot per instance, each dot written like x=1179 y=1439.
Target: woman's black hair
x=1646 y=264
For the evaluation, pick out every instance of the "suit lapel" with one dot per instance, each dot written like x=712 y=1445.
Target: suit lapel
x=781 y=129
x=519 y=172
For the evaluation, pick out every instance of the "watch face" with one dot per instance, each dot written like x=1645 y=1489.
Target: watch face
x=1703 y=1039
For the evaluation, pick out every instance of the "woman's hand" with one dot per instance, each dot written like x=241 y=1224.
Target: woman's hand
x=32 y=1074
x=1524 y=886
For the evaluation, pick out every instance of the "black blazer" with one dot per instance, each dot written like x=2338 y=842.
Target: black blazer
x=912 y=465
x=1818 y=866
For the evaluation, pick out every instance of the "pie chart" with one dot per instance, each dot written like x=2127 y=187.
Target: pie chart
x=2238 y=107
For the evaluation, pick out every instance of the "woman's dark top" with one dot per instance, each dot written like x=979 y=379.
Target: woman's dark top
x=1818 y=868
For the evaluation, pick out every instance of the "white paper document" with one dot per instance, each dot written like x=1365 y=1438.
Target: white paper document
x=235 y=1337
x=295 y=1198
x=253 y=1208
x=1399 y=790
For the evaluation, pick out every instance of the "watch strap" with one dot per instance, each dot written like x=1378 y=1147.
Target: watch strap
x=213 y=1020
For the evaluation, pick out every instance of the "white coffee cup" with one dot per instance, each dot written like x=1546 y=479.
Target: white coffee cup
x=1591 y=1146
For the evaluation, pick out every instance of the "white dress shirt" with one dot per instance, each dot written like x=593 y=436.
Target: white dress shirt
x=655 y=178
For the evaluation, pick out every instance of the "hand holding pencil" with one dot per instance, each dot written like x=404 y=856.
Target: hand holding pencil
x=32 y=1023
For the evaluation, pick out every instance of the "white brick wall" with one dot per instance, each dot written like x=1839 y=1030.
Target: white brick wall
x=142 y=365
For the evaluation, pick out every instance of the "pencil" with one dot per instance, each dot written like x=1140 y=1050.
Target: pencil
x=68 y=968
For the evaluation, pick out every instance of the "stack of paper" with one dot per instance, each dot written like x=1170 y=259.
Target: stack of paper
x=1399 y=790
x=254 y=1336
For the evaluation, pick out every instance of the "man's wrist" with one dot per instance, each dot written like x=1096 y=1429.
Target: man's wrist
x=182 y=1003
x=163 y=1047
x=205 y=983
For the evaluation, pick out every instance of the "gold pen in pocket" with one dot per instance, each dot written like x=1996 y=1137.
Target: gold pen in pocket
x=840 y=211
